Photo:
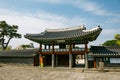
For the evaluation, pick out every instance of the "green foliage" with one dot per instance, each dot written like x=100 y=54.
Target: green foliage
x=118 y=42
x=110 y=43
x=7 y=32
x=117 y=36
x=8 y=48
x=115 y=42
x=24 y=46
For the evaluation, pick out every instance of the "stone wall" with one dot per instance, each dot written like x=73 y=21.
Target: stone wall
x=19 y=60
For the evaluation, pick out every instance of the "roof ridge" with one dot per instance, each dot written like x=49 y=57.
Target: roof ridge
x=66 y=29
x=95 y=28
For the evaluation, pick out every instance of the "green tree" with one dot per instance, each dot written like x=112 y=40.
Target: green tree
x=7 y=32
x=117 y=36
x=24 y=46
x=118 y=42
x=115 y=42
x=110 y=43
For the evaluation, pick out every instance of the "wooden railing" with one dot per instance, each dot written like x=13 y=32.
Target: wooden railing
x=64 y=51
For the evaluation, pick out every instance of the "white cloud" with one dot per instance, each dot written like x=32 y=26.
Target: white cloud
x=92 y=7
x=86 y=5
x=38 y=22
x=29 y=23
x=49 y=1
x=115 y=20
x=35 y=23
x=110 y=31
x=106 y=34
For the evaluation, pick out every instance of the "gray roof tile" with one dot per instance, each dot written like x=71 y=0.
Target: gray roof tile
x=18 y=53
x=66 y=34
x=111 y=51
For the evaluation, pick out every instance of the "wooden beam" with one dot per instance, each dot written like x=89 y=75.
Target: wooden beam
x=53 y=50
x=70 y=49
x=86 y=48
x=65 y=52
x=40 y=48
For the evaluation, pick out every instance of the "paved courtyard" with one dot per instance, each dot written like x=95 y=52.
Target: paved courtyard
x=19 y=72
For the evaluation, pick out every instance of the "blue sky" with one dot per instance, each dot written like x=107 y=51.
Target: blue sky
x=34 y=16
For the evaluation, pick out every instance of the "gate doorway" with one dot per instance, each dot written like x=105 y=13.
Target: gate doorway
x=63 y=60
x=47 y=60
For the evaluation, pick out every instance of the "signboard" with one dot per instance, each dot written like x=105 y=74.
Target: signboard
x=60 y=41
x=80 y=61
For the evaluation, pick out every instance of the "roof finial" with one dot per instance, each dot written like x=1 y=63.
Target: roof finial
x=98 y=25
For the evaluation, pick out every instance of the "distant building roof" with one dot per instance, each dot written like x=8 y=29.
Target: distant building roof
x=18 y=53
x=77 y=34
x=103 y=51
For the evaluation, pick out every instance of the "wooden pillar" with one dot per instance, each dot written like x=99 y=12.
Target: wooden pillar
x=56 y=60
x=53 y=56
x=49 y=46
x=73 y=45
x=40 y=57
x=40 y=48
x=45 y=62
x=45 y=46
x=70 y=60
x=86 y=56
x=94 y=62
x=81 y=56
x=41 y=62
x=70 y=57
x=37 y=57
x=70 y=49
x=86 y=48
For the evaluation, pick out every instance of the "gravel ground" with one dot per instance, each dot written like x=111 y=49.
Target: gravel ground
x=24 y=72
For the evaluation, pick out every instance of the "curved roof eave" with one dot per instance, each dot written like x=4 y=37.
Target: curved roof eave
x=92 y=33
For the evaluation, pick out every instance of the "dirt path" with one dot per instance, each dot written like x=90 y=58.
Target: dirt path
x=13 y=72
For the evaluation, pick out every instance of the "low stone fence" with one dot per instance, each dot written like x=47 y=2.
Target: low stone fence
x=17 y=60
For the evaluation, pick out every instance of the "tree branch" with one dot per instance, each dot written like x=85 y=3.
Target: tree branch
x=5 y=46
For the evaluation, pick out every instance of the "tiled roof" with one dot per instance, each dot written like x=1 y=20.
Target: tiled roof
x=18 y=53
x=110 y=51
x=79 y=33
